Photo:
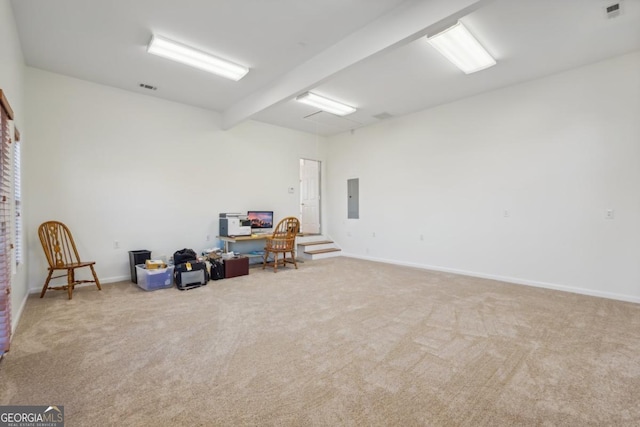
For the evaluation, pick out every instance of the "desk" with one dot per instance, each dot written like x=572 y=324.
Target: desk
x=238 y=239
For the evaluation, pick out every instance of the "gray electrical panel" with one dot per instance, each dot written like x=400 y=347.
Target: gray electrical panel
x=353 y=199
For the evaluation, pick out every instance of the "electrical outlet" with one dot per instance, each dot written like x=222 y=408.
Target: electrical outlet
x=116 y=244
x=373 y=234
x=609 y=214
x=505 y=213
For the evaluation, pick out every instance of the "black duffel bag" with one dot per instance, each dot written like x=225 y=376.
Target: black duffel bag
x=184 y=255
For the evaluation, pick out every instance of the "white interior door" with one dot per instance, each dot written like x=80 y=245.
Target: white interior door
x=309 y=196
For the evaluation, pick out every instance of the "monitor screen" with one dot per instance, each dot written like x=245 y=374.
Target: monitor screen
x=260 y=219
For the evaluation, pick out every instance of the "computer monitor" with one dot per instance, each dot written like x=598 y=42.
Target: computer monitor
x=260 y=219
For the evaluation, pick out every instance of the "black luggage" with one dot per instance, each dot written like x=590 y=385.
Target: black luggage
x=190 y=275
x=217 y=270
x=184 y=255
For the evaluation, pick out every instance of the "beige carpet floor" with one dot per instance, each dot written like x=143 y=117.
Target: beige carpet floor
x=337 y=342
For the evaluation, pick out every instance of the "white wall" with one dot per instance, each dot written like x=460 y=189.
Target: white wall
x=11 y=82
x=556 y=153
x=151 y=174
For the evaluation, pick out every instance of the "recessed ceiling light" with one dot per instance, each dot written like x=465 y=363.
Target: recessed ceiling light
x=179 y=52
x=325 y=104
x=459 y=46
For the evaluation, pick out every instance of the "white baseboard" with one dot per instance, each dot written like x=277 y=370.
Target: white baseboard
x=515 y=280
x=15 y=318
x=116 y=279
x=102 y=281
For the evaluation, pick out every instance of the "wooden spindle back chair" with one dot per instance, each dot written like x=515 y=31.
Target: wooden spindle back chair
x=60 y=250
x=282 y=241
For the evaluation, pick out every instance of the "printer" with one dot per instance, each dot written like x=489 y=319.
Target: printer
x=234 y=224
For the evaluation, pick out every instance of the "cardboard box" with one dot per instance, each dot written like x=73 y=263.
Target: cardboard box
x=152 y=264
x=214 y=256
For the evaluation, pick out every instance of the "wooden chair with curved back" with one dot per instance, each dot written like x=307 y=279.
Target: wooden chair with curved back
x=282 y=241
x=61 y=253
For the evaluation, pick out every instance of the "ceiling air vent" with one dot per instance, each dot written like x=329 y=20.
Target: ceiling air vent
x=613 y=10
x=146 y=86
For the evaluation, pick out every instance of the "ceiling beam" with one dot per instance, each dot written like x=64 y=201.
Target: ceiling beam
x=408 y=22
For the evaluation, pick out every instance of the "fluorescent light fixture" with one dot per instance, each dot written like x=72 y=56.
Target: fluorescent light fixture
x=169 y=49
x=325 y=104
x=459 y=46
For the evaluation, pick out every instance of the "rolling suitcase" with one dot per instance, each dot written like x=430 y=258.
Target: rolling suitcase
x=190 y=275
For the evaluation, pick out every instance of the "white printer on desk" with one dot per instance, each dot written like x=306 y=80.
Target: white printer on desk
x=234 y=224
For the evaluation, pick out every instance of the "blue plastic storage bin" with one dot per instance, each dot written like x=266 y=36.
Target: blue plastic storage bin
x=151 y=280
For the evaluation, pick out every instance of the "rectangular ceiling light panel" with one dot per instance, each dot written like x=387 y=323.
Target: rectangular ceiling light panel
x=459 y=46
x=175 y=51
x=325 y=104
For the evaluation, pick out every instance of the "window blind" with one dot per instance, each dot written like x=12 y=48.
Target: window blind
x=17 y=200
x=6 y=115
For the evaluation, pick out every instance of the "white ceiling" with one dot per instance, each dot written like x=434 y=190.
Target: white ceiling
x=368 y=53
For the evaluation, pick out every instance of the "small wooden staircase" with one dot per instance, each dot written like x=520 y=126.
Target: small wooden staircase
x=316 y=246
